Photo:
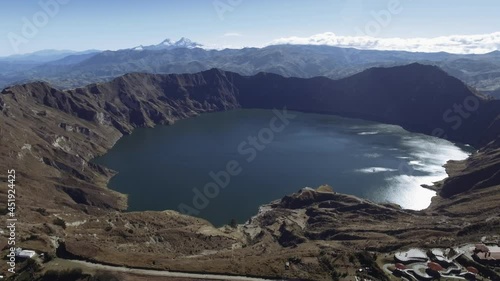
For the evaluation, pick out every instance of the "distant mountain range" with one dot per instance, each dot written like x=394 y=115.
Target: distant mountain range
x=186 y=56
x=45 y=56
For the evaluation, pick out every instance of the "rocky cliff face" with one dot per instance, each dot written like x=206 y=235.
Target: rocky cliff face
x=137 y=100
x=481 y=170
x=49 y=136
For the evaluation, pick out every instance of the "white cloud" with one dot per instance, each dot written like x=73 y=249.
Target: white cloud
x=459 y=44
x=232 y=34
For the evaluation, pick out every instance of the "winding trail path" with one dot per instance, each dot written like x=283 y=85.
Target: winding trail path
x=161 y=273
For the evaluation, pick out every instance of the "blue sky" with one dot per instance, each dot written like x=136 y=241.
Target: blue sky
x=115 y=24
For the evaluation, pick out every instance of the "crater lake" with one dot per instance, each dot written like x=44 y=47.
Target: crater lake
x=223 y=166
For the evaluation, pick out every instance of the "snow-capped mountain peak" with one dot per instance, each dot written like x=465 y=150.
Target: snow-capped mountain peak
x=185 y=42
x=138 y=48
x=169 y=44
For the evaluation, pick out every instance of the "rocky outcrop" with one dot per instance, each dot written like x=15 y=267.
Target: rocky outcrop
x=481 y=170
x=350 y=222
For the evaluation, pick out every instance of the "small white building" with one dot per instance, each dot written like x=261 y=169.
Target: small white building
x=25 y=254
x=411 y=256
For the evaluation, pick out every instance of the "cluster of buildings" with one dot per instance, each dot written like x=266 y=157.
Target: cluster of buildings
x=417 y=264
